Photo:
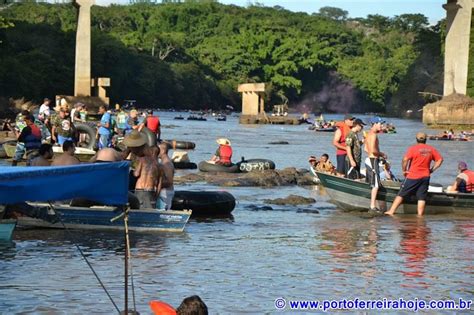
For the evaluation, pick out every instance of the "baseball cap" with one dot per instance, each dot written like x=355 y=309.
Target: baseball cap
x=359 y=122
x=349 y=116
x=462 y=165
x=421 y=136
x=376 y=120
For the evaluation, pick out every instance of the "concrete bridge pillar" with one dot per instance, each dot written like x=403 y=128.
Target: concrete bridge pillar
x=82 y=74
x=456 y=58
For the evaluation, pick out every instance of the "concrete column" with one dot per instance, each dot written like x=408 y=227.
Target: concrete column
x=456 y=56
x=82 y=75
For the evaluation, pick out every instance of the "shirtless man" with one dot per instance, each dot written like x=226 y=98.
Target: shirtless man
x=67 y=158
x=45 y=154
x=372 y=161
x=149 y=179
x=107 y=155
x=165 y=198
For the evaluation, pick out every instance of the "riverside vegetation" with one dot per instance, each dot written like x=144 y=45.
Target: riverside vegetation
x=192 y=55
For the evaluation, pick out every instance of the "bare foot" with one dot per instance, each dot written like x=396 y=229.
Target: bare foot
x=390 y=213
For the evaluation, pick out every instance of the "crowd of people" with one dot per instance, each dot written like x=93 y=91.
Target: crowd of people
x=152 y=173
x=418 y=163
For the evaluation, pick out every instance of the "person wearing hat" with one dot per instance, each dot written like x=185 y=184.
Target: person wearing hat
x=464 y=182
x=146 y=171
x=133 y=123
x=223 y=154
x=354 y=152
x=372 y=161
x=339 y=141
x=416 y=167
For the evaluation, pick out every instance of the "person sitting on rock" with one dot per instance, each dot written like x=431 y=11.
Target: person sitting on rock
x=223 y=154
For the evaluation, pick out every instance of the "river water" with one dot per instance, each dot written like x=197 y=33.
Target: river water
x=241 y=264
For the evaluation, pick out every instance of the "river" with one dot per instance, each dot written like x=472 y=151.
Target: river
x=241 y=264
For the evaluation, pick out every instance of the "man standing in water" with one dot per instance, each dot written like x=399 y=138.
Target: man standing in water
x=165 y=198
x=372 y=162
x=416 y=167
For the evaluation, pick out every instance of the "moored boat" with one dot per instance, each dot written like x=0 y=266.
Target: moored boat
x=19 y=185
x=83 y=154
x=6 y=229
x=328 y=129
x=99 y=218
x=354 y=195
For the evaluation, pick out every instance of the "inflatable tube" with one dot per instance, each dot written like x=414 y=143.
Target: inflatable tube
x=86 y=203
x=184 y=165
x=256 y=165
x=204 y=203
x=209 y=167
x=91 y=135
x=330 y=129
x=150 y=136
x=182 y=145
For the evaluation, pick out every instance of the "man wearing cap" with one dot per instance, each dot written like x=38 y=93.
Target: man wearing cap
x=223 y=154
x=354 y=154
x=339 y=141
x=416 y=167
x=464 y=182
x=372 y=161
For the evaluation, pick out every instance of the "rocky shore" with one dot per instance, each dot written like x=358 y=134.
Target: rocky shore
x=268 y=178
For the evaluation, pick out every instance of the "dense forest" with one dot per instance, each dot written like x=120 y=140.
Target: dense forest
x=194 y=54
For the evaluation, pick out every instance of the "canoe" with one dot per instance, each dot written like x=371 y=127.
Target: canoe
x=182 y=145
x=330 y=129
x=179 y=118
x=256 y=165
x=436 y=138
x=98 y=218
x=185 y=165
x=197 y=118
x=354 y=195
x=204 y=203
x=204 y=166
x=6 y=229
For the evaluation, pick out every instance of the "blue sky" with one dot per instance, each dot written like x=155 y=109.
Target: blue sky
x=356 y=8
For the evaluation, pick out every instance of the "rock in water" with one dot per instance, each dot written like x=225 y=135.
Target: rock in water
x=293 y=200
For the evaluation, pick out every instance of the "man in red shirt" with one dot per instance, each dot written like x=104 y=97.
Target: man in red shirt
x=417 y=175
x=153 y=123
x=339 y=141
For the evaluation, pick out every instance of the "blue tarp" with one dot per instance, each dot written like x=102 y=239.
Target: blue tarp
x=105 y=183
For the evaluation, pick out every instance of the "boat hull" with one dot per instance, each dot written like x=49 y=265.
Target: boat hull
x=351 y=195
x=6 y=230
x=99 y=218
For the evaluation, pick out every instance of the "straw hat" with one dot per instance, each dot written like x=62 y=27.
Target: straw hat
x=223 y=141
x=135 y=139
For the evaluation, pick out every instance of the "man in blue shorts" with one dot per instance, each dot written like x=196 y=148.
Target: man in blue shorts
x=416 y=167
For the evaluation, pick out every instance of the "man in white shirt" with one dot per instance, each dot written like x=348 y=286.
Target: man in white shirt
x=44 y=111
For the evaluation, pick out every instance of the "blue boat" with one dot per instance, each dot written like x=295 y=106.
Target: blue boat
x=100 y=217
x=22 y=188
x=6 y=230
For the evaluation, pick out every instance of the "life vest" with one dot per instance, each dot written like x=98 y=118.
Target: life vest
x=225 y=154
x=470 y=180
x=162 y=308
x=33 y=140
x=344 y=132
x=153 y=123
